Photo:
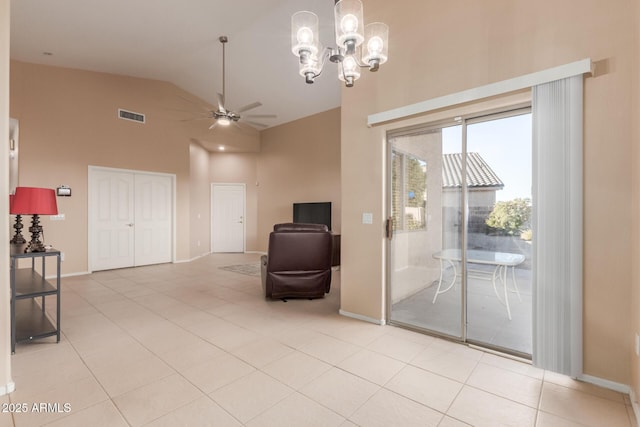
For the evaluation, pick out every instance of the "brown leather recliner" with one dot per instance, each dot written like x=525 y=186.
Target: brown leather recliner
x=298 y=264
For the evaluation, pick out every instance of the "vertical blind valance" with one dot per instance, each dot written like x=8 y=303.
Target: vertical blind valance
x=584 y=66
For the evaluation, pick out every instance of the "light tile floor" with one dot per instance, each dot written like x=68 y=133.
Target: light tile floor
x=194 y=345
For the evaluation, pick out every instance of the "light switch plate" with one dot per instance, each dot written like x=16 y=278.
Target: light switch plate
x=367 y=218
x=59 y=217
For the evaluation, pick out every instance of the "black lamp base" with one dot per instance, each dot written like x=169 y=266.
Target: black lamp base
x=18 y=238
x=35 y=245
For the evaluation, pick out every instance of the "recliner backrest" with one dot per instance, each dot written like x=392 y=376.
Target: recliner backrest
x=299 y=260
x=293 y=226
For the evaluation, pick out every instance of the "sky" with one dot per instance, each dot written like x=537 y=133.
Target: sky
x=505 y=144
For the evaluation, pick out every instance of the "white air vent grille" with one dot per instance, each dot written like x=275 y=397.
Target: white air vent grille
x=130 y=115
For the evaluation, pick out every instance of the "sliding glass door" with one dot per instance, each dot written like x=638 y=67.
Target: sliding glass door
x=426 y=215
x=499 y=232
x=460 y=252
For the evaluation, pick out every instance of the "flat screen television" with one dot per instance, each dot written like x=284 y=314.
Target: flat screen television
x=312 y=213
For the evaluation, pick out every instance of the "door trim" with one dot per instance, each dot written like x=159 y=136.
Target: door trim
x=244 y=211
x=91 y=171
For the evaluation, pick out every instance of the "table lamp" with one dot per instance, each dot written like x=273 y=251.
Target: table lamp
x=17 y=238
x=34 y=201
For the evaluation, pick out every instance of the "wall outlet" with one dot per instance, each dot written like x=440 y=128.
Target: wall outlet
x=59 y=217
x=637 y=344
x=62 y=259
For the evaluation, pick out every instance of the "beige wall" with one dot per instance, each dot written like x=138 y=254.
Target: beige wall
x=239 y=168
x=199 y=193
x=68 y=121
x=299 y=162
x=5 y=321
x=439 y=48
x=635 y=226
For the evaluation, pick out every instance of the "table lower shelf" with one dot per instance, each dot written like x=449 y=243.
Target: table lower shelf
x=32 y=323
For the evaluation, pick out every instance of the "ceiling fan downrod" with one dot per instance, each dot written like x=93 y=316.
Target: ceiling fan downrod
x=223 y=40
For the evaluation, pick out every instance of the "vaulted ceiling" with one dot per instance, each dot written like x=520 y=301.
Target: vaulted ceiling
x=177 y=41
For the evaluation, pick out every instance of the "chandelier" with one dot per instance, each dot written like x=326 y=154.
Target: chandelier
x=358 y=45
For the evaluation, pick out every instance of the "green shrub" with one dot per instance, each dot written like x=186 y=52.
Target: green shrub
x=510 y=217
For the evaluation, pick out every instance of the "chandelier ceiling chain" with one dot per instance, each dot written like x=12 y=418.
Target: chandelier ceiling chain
x=358 y=45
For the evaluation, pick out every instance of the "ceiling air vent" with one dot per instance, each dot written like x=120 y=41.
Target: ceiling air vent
x=130 y=115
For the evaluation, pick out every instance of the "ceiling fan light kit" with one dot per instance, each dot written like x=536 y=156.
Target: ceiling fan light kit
x=359 y=46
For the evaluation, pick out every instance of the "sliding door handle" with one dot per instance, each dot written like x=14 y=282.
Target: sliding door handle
x=390 y=228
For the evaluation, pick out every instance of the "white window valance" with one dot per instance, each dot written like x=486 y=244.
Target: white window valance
x=515 y=84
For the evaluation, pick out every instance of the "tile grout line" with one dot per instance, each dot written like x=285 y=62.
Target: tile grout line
x=205 y=394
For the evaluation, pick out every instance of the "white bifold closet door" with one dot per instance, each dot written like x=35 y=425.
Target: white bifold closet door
x=131 y=218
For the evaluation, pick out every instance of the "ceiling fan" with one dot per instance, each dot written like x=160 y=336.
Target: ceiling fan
x=224 y=116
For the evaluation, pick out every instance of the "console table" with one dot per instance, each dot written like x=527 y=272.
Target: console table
x=29 y=291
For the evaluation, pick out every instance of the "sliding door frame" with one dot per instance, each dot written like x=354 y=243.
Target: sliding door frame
x=463 y=121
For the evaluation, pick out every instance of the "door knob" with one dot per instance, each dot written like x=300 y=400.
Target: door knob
x=130 y=224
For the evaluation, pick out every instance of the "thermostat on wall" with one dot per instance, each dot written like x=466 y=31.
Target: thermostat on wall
x=63 y=191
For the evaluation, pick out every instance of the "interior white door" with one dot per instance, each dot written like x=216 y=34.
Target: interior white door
x=153 y=219
x=130 y=218
x=112 y=219
x=228 y=213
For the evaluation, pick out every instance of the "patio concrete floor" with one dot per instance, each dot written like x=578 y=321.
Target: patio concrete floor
x=487 y=319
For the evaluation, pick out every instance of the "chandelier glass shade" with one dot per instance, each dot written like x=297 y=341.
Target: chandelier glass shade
x=358 y=45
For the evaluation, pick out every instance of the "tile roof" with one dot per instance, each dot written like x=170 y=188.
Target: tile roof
x=479 y=174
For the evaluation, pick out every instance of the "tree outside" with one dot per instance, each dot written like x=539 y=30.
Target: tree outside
x=510 y=217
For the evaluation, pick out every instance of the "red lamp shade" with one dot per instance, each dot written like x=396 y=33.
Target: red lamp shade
x=34 y=201
x=10 y=202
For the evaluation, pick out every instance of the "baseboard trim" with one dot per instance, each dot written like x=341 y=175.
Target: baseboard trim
x=181 y=261
x=9 y=388
x=79 y=273
x=255 y=252
x=380 y=322
x=601 y=382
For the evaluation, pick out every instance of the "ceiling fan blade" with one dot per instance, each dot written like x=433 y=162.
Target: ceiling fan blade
x=198 y=116
x=200 y=105
x=245 y=127
x=185 y=111
x=213 y=125
x=194 y=119
x=249 y=107
x=221 y=102
x=262 y=116
x=256 y=124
